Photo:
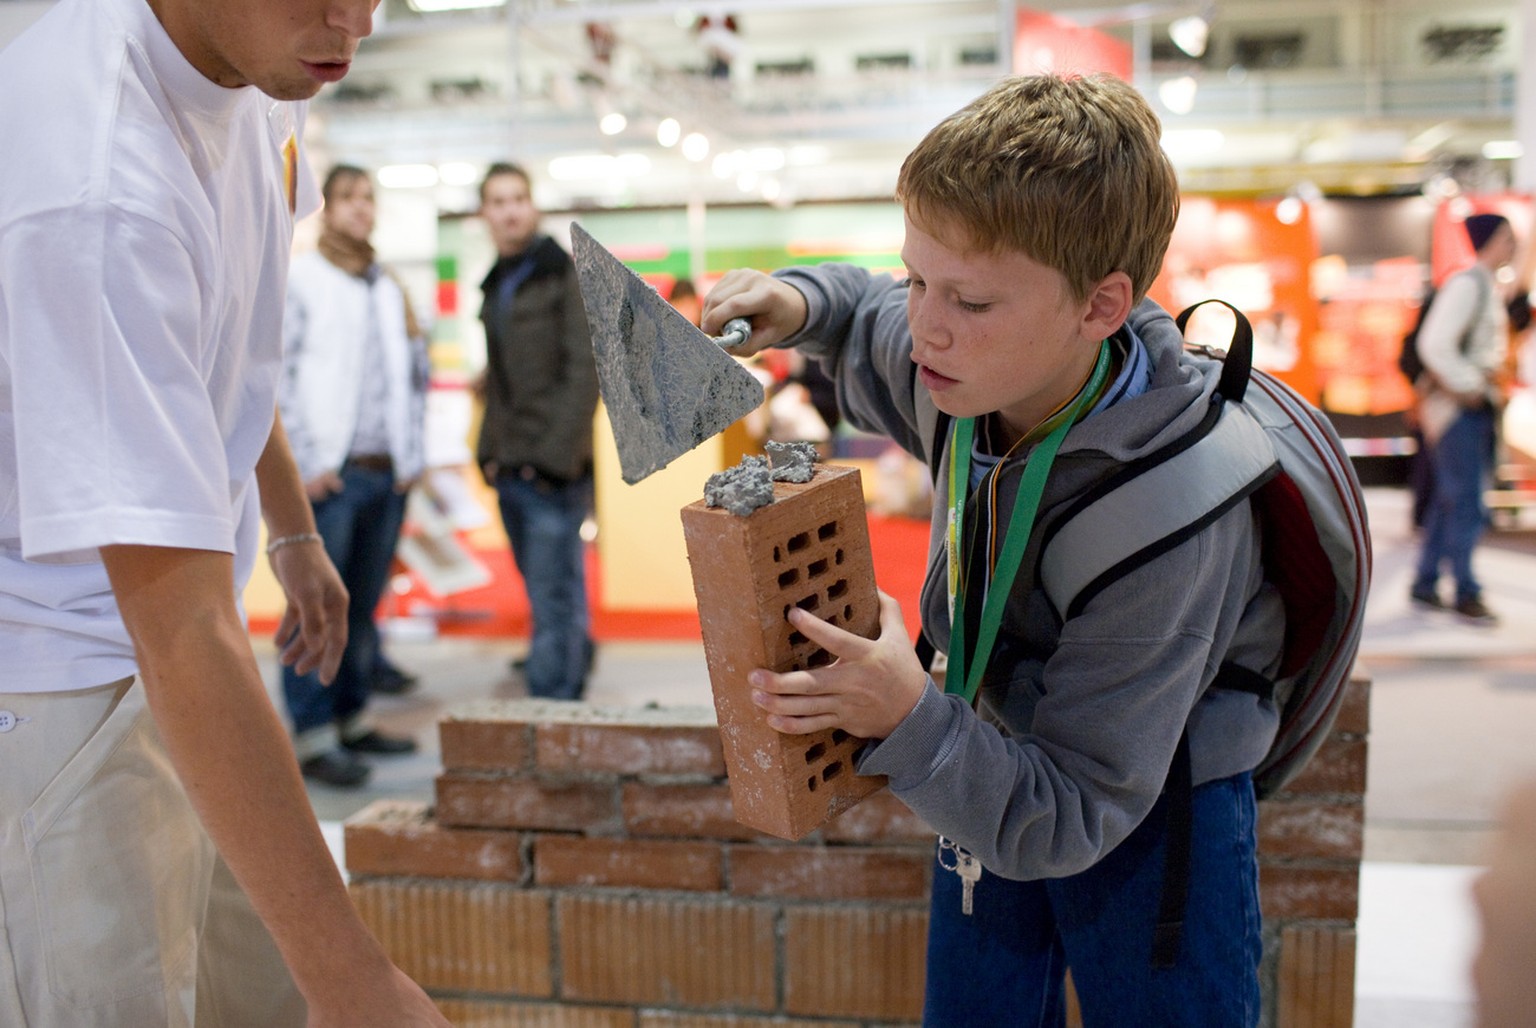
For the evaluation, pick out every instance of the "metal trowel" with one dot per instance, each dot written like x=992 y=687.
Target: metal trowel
x=667 y=385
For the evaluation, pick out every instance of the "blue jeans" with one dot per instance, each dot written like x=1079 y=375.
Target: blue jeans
x=360 y=526
x=1004 y=964
x=543 y=523
x=1456 y=517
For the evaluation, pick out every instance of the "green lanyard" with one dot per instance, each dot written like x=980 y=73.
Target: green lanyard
x=964 y=673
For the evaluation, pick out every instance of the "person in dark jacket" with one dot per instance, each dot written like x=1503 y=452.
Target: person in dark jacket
x=540 y=392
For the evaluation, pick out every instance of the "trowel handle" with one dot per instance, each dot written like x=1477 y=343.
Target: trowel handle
x=734 y=333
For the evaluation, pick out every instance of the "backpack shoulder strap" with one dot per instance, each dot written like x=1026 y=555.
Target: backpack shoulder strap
x=1155 y=504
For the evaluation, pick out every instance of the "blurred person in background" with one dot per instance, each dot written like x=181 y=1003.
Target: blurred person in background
x=535 y=448
x=1462 y=345
x=353 y=398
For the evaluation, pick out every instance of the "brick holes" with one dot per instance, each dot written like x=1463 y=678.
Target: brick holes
x=810 y=554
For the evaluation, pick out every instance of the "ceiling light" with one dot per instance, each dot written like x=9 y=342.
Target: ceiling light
x=458 y=173
x=612 y=123
x=1503 y=150
x=1190 y=34
x=407 y=176
x=669 y=132
x=1187 y=143
x=434 y=6
x=695 y=146
x=1178 y=94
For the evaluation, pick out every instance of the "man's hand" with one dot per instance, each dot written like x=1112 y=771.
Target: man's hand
x=313 y=631
x=871 y=687
x=776 y=309
x=323 y=485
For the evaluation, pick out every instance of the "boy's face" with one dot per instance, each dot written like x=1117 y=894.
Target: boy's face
x=509 y=213
x=995 y=332
x=350 y=210
x=286 y=48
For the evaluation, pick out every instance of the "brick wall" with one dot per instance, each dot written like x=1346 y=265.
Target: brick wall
x=582 y=868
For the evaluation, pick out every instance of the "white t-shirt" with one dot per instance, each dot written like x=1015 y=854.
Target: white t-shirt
x=146 y=216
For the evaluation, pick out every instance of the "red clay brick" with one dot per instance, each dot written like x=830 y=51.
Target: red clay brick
x=1302 y=828
x=632 y=749
x=461 y=936
x=854 y=961
x=689 y=811
x=820 y=872
x=880 y=817
x=395 y=837
x=667 y=952
x=482 y=737
x=1316 y=981
x=809 y=548
x=465 y=1013
x=571 y=860
x=1337 y=769
x=1309 y=891
x=478 y=801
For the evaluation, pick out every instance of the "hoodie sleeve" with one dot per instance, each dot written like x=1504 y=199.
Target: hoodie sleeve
x=856 y=328
x=1109 y=705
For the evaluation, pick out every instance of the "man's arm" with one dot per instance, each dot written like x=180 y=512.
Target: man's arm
x=231 y=753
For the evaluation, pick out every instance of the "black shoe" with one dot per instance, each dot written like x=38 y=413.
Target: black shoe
x=1426 y=600
x=391 y=681
x=337 y=768
x=374 y=741
x=1475 y=612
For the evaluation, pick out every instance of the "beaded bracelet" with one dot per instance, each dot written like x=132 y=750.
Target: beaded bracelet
x=302 y=537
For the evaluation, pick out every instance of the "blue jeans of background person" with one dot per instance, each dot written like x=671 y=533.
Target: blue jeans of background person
x=1456 y=515
x=360 y=526
x=543 y=522
x=1004 y=964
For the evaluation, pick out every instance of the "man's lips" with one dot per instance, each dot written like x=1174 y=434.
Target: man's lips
x=327 y=71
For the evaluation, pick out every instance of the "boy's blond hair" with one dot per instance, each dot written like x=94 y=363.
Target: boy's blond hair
x=1067 y=170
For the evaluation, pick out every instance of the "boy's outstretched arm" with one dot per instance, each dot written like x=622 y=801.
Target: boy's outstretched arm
x=776 y=309
x=867 y=692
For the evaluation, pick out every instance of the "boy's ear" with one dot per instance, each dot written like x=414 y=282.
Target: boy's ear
x=1109 y=304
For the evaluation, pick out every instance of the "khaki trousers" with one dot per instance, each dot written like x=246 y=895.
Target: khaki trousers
x=115 y=909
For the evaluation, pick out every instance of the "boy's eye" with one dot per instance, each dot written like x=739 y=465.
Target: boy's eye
x=911 y=283
x=973 y=308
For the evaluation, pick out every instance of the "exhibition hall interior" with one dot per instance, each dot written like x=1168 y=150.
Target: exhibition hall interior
x=554 y=863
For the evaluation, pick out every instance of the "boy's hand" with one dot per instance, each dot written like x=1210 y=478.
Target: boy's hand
x=776 y=309
x=867 y=692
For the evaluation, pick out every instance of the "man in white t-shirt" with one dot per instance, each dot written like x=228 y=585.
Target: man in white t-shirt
x=159 y=861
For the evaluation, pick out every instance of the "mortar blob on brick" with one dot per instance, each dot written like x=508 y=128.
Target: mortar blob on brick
x=749 y=571
x=741 y=489
x=791 y=462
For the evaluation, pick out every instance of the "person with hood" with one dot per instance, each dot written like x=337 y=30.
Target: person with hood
x=1036 y=219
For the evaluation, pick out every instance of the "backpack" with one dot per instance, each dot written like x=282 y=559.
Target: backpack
x=1408 y=361
x=1260 y=440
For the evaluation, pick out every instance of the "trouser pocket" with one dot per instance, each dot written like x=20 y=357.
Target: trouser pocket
x=119 y=867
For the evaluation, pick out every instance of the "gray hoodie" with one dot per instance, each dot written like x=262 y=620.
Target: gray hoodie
x=1075 y=724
